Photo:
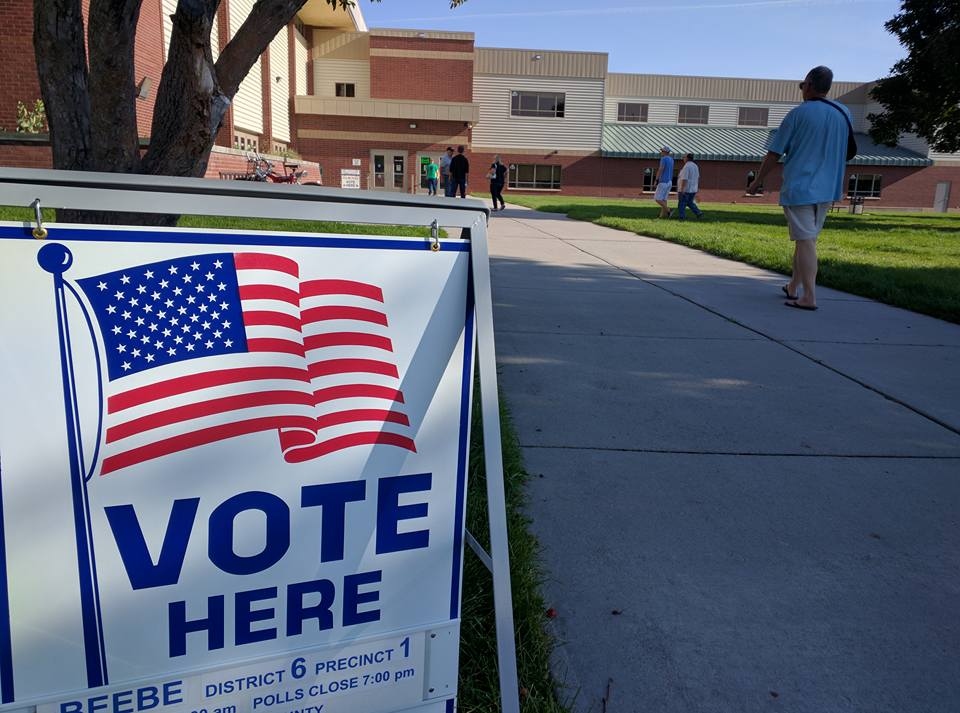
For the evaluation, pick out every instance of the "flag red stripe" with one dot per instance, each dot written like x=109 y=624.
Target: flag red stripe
x=360 y=314
x=206 y=408
x=276 y=346
x=351 y=366
x=313 y=288
x=299 y=455
x=357 y=391
x=269 y=292
x=201 y=437
x=343 y=339
x=361 y=414
x=261 y=318
x=195 y=382
x=261 y=261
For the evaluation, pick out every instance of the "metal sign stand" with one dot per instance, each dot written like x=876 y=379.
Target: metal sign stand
x=153 y=194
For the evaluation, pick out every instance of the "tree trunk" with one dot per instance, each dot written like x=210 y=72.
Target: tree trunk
x=62 y=69
x=190 y=105
x=114 y=137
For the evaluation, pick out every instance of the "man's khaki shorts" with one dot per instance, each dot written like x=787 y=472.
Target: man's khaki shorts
x=806 y=221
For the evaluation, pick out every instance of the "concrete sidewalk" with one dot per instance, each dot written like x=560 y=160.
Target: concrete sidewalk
x=742 y=507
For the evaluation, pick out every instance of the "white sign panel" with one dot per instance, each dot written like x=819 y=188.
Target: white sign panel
x=350 y=178
x=232 y=471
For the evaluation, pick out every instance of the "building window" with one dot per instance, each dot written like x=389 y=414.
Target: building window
x=863 y=185
x=537 y=104
x=693 y=114
x=753 y=116
x=245 y=142
x=650 y=175
x=530 y=175
x=345 y=89
x=632 y=112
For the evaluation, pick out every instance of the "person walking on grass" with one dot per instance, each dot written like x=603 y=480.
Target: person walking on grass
x=688 y=183
x=664 y=182
x=813 y=141
x=497 y=176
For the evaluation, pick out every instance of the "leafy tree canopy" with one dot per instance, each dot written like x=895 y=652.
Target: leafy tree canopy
x=922 y=93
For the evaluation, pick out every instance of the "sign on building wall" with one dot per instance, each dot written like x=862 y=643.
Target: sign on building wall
x=350 y=178
x=232 y=471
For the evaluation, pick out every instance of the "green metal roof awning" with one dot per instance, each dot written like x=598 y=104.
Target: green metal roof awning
x=721 y=143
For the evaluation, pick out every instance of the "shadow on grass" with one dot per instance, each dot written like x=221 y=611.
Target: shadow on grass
x=932 y=289
x=752 y=216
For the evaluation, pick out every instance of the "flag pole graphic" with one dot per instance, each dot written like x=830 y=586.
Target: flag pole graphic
x=57 y=259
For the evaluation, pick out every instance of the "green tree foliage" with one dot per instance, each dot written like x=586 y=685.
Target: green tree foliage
x=922 y=93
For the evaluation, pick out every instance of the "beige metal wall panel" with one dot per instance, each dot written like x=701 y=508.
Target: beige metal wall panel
x=721 y=114
x=328 y=72
x=665 y=111
x=215 y=39
x=912 y=142
x=388 y=109
x=524 y=63
x=334 y=44
x=951 y=159
x=422 y=34
x=302 y=57
x=722 y=88
x=168 y=7
x=778 y=112
x=280 y=91
x=661 y=112
x=248 y=102
x=580 y=129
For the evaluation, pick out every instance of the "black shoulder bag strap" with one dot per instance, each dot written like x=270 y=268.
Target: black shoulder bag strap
x=851 y=142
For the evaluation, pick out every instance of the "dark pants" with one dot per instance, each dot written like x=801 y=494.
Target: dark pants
x=448 y=186
x=496 y=193
x=686 y=201
x=431 y=186
x=459 y=184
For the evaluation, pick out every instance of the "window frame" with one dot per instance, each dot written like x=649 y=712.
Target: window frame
x=855 y=181
x=622 y=114
x=766 y=115
x=349 y=89
x=559 y=104
x=650 y=173
x=555 y=180
x=706 y=114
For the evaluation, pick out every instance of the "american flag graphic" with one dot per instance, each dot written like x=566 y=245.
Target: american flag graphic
x=208 y=347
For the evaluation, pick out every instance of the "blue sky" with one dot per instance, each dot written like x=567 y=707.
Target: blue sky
x=773 y=39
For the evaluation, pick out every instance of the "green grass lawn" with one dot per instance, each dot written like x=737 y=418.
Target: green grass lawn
x=910 y=260
x=479 y=690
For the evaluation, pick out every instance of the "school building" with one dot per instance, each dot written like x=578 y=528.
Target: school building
x=367 y=108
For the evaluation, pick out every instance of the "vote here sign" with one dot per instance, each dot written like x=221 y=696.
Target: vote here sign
x=232 y=470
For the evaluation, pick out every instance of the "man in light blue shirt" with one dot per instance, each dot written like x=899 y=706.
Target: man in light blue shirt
x=813 y=142
x=664 y=182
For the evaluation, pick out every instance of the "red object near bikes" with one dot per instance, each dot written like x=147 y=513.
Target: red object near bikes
x=262 y=170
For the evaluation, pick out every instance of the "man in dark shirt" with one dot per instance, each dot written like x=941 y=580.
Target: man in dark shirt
x=459 y=168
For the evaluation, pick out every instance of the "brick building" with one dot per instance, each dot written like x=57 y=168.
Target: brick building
x=367 y=108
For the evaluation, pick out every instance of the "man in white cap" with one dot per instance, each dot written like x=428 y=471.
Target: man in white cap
x=664 y=181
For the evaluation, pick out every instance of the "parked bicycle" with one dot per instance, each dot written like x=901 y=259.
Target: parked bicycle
x=260 y=169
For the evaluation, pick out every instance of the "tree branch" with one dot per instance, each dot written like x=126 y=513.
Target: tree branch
x=266 y=19
x=114 y=136
x=190 y=105
x=62 y=69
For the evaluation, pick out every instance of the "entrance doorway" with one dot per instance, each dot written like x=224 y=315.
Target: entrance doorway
x=941 y=201
x=388 y=169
